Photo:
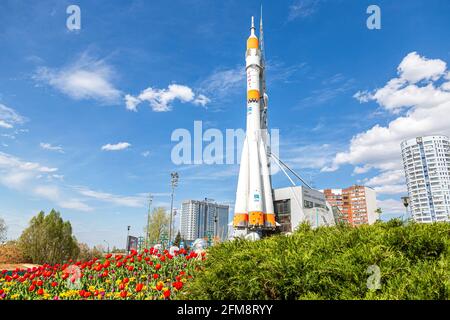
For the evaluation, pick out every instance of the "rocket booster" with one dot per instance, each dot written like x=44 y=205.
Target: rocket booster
x=254 y=202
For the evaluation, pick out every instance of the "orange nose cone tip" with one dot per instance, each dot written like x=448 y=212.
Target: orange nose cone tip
x=252 y=43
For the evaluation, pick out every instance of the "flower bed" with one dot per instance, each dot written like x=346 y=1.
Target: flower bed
x=148 y=275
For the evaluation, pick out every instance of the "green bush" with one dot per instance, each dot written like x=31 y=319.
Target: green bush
x=48 y=239
x=332 y=263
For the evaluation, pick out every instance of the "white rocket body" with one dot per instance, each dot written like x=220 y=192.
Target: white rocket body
x=254 y=202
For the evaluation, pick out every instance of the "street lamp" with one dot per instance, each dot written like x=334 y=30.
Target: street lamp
x=150 y=200
x=128 y=236
x=406 y=202
x=174 y=182
x=107 y=243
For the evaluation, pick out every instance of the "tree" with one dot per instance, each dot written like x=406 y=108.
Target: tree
x=117 y=250
x=158 y=224
x=177 y=240
x=3 y=229
x=85 y=252
x=49 y=239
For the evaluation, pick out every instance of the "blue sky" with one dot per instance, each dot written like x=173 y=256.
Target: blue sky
x=86 y=116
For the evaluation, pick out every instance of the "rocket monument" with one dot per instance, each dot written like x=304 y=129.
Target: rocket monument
x=254 y=202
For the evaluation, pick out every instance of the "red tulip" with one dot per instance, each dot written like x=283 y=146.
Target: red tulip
x=162 y=258
x=178 y=285
x=40 y=291
x=167 y=293
x=125 y=280
x=87 y=294
x=159 y=286
x=121 y=286
x=109 y=255
x=31 y=288
x=81 y=293
x=158 y=266
x=155 y=276
x=119 y=264
x=54 y=284
x=40 y=283
x=105 y=273
x=139 y=287
x=130 y=268
x=123 y=294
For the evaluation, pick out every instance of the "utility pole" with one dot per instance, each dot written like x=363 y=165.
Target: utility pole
x=150 y=201
x=107 y=243
x=174 y=182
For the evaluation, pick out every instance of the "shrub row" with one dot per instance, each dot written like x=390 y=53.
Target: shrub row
x=332 y=263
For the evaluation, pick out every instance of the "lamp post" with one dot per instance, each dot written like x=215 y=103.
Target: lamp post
x=107 y=243
x=174 y=182
x=150 y=201
x=128 y=236
x=406 y=202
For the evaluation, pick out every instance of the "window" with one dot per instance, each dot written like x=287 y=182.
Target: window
x=283 y=214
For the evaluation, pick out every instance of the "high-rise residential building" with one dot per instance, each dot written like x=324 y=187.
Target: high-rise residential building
x=199 y=219
x=356 y=205
x=426 y=161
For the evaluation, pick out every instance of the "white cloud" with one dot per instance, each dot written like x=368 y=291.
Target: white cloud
x=201 y=100
x=302 y=9
x=48 y=192
x=28 y=177
x=333 y=86
x=9 y=118
x=308 y=156
x=126 y=201
x=221 y=82
x=24 y=176
x=116 y=147
x=423 y=109
x=86 y=78
x=415 y=68
x=391 y=206
x=160 y=100
x=145 y=153
x=48 y=146
x=391 y=189
x=11 y=163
